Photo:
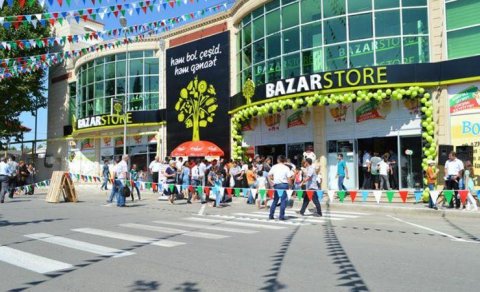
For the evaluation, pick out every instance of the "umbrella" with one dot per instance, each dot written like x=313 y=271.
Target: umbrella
x=197 y=149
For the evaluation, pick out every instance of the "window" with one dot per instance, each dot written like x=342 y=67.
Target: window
x=247 y=34
x=259 y=74
x=247 y=57
x=273 y=46
x=152 y=66
x=335 y=30
x=360 y=26
x=72 y=102
x=258 y=28
x=382 y=4
x=415 y=50
x=291 y=65
x=312 y=35
x=273 y=22
x=361 y=54
x=258 y=51
x=290 y=16
x=359 y=5
x=274 y=70
x=389 y=51
x=464 y=42
x=387 y=23
x=311 y=10
x=406 y=3
x=415 y=21
x=312 y=61
x=291 y=40
x=333 y=8
x=336 y=57
x=462 y=14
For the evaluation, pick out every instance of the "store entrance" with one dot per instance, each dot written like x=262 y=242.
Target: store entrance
x=380 y=145
x=271 y=150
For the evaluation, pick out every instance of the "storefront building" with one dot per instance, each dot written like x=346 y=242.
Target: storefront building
x=345 y=76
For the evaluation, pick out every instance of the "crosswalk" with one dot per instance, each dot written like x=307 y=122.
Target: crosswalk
x=155 y=233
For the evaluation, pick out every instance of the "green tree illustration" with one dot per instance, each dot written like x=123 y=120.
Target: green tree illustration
x=196 y=106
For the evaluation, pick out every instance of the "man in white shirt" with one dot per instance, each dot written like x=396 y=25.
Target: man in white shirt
x=310 y=182
x=154 y=168
x=202 y=167
x=121 y=171
x=366 y=164
x=309 y=153
x=4 y=177
x=280 y=176
x=453 y=173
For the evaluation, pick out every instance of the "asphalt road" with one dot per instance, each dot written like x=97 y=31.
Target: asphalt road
x=152 y=245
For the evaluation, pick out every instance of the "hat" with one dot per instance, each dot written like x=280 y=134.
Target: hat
x=431 y=162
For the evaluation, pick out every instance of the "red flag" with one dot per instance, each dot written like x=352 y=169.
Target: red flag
x=172 y=3
x=52 y=21
x=229 y=191
x=16 y=24
x=207 y=191
x=154 y=187
x=463 y=195
x=115 y=13
x=22 y=3
x=270 y=193
x=144 y=8
x=353 y=195
x=190 y=188
x=89 y=10
x=310 y=194
x=403 y=195
x=84 y=17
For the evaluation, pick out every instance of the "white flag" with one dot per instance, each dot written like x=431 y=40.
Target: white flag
x=434 y=196
x=331 y=194
x=289 y=194
x=254 y=192
x=378 y=195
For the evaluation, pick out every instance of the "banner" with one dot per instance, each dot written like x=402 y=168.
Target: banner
x=466 y=101
x=298 y=118
x=198 y=86
x=373 y=110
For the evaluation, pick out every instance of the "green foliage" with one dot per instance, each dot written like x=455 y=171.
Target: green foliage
x=26 y=92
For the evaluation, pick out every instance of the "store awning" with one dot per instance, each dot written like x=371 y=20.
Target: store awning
x=197 y=149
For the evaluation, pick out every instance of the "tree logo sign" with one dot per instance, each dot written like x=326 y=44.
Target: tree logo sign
x=196 y=106
x=198 y=92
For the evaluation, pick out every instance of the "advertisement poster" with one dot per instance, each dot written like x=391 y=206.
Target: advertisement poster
x=118 y=141
x=137 y=140
x=373 y=110
x=298 y=118
x=106 y=142
x=198 y=83
x=339 y=113
x=465 y=101
x=87 y=144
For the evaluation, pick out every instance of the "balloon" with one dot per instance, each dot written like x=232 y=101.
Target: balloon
x=429 y=139
x=388 y=91
x=421 y=90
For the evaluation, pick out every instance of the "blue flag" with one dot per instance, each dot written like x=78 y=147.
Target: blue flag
x=320 y=195
x=364 y=196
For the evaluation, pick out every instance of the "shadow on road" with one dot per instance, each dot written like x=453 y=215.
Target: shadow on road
x=349 y=277
x=463 y=231
x=187 y=287
x=271 y=279
x=4 y=223
x=142 y=285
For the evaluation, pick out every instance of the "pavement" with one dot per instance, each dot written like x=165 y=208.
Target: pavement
x=154 y=246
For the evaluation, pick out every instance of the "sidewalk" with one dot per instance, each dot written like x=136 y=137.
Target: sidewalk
x=91 y=192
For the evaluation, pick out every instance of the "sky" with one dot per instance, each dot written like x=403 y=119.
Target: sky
x=112 y=23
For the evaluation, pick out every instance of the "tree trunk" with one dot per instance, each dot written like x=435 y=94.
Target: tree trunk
x=196 y=130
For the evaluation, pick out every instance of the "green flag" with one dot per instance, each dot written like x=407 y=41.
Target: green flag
x=341 y=196
x=448 y=195
x=237 y=192
x=390 y=196
x=148 y=185
x=299 y=194
x=199 y=190
x=170 y=187
x=262 y=192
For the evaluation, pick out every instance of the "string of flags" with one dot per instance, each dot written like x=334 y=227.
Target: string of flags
x=211 y=191
x=50 y=18
x=29 y=3
x=62 y=40
x=30 y=187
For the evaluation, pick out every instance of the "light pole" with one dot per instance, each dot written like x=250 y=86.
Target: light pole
x=123 y=23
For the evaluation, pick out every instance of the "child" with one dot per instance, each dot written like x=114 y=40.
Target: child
x=261 y=185
x=469 y=185
x=251 y=177
x=431 y=180
x=218 y=183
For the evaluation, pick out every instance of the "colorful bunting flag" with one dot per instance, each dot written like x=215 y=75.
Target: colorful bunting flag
x=463 y=196
x=331 y=194
x=299 y=194
x=418 y=195
x=434 y=196
x=353 y=195
x=237 y=192
x=377 y=195
x=271 y=193
x=262 y=193
x=320 y=195
x=341 y=196
x=310 y=194
x=403 y=195
x=390 y=195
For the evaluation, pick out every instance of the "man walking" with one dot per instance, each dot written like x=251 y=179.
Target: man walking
x=154 y=168
x=4 y=178
x=453 y=172
x=106 y=175
x=121 y=181
x=12 y=174
x=280 y=175
x=342 y=172
x=366 y=164
x=310 y=181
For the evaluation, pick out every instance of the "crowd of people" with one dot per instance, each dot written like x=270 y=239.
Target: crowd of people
x=378 y=172
x=15 y=174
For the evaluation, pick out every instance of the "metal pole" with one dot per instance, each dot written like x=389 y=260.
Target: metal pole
x=34 y=144
x=123 y=22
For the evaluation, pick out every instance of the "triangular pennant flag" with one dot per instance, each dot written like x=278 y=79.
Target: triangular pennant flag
x=320 y=195
x=237 y=192
x=271 y=193
x=261 y=193
x=179 y=188
x=364 y=196
x=463 y=196
x=280 y=193
x=353 y=195
x=341 y=196
x=190 y=188
x=310 y=194
x=254 y=192
x=403 y=195
x=245 y=192
x=434 y=196
x=299 y=194
x=331 y=194
x=200 y=191
x=390 y=196
x=418 y=195
x=206 y=190
x=148 y=185
x=218 y=195
x=229 y=191
x=377 y=195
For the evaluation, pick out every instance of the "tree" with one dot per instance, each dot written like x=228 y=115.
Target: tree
x=196 y=106
x=24 y=92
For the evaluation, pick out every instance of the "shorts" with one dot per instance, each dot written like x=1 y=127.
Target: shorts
x=376 y=178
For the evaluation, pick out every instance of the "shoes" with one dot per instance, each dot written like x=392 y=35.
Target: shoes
x=189 y=202
x=301 y=213
x=2 y=201
x=270 y=217
x=281 y=219
x=435 y=208
x=317 y=215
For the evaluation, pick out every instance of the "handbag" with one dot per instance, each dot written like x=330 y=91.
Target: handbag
x=127 y=192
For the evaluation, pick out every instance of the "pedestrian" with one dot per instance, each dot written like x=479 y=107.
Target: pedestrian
x=22 y=175
x=195 y=181
x=31 y=179
x=261 y=184
x=202 y=168
x=310 y=182
x=281 y=176
x=185 y=180
x=366 y=166
x=392 y=160
x=236 y=174
x=453 y=172
x=342 y=172
x=170 y=179
x=4 y=179
x=375 y=176
x=13 y=174
x=154 y=168
x=106 y=175
x=383 y=171
x=217 y=185
x=431 y=175
x=251 y=180
x=309 y=153
x=121 y=180
x=469 y=185
x=115 y=185
x=134 y=180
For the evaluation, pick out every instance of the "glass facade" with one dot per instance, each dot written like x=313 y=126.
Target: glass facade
x=285 y=38
x=104 y=78
x=463 y=28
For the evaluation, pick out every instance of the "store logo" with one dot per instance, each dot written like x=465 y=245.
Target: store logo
x=469 y=128
x=105 y=120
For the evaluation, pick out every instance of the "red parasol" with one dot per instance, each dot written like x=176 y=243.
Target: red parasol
x=197 y=149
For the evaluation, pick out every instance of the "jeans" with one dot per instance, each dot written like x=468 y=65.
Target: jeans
x=113 y=193
x=283 y=201
x=341 y=186
x=134 y=187
x=119 y=193
x=367 y=179
x=384 y=183
x=453 y=185
x=3 y=186
x=105 y=183
x=306 y=200
x=431 y=203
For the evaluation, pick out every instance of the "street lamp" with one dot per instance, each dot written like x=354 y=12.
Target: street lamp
x=123 y=23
